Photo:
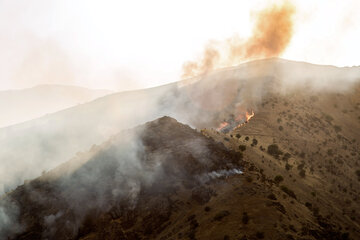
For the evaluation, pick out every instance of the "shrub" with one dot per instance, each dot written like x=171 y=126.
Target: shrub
x=249 y=179
x=288 y=191
x=286 y=156
x=254 y=142
x=274 y=150
x=260 y=235
x=301 y=165
x=242 y=148
x=302 y=173
x=357 y=172
x=207 y=209
x=337 y=128
x=240 y=155
x=278 y=179
x=220 y=215
x=245 y=218
x=226 y=139
x=271 y=196
x=247 y=138
x=330 y=152
x=281 y=128
x=328 y=118
x=238 y=135
x=288 y=166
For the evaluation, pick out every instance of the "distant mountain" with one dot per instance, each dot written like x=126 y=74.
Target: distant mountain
x=29 y=148
x=26 y=104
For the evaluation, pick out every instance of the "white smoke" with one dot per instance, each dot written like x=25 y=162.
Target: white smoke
x=224 y=173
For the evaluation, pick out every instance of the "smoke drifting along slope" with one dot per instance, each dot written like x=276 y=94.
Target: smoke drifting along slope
x=271 y=35
x=55 y=138
x=115 y=177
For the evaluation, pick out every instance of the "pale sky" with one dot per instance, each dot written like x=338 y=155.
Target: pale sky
x=122 y=45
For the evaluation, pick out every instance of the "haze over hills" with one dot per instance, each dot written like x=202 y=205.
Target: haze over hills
x=291 y=172
x=26 y=104
x=201 y=102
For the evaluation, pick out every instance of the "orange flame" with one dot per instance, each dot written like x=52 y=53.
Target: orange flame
x=222 y=125
x=249 y=115
x=240 y=120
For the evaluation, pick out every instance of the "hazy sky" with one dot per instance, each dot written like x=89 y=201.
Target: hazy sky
x=123 y=45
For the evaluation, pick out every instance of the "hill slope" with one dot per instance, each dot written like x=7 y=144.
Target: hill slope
x=135 y=173
x=23 y=105
x=307 y=144
x=201 y=102
x=164 y=180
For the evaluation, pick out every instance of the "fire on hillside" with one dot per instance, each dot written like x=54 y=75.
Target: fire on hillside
x=235 y=122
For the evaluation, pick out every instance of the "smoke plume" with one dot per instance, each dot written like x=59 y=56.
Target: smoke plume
x=271 y=35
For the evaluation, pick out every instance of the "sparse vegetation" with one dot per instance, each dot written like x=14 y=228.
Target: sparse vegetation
x=288 y=191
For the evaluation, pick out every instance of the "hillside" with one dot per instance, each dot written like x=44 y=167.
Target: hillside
x=307 y=145
x=26 y=104
x=200 y=102
x=164 y=180
x=131 y=181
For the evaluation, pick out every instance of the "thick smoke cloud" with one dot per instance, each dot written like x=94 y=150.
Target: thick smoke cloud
x=271 y=35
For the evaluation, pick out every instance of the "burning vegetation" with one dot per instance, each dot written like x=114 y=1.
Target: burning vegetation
x=235 y=122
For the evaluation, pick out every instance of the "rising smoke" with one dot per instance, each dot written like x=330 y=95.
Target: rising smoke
x=271 y=35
